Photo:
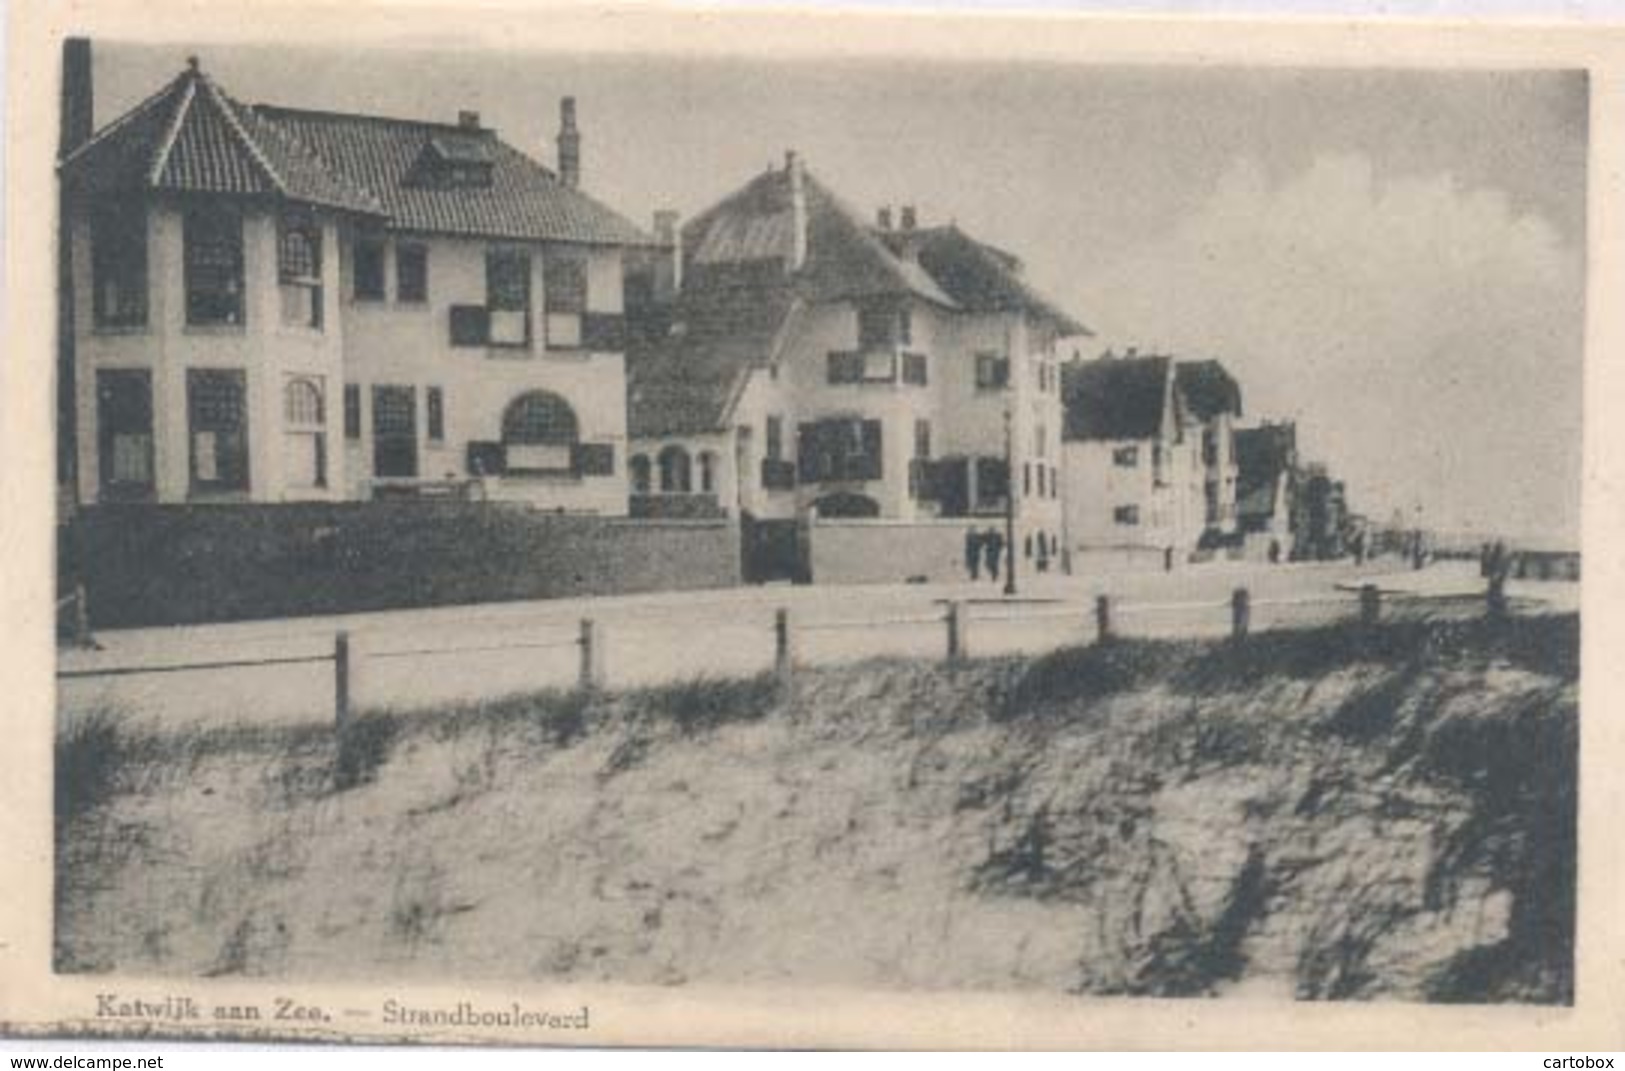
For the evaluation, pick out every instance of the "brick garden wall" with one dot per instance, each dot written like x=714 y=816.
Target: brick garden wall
x=167 y=565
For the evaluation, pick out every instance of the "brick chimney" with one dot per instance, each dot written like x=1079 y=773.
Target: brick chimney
x=668 y=277
x=78 y=100
x=883 y=219
x=468 y=120
x=569 y=144
x=908 y=218
x=798 y=211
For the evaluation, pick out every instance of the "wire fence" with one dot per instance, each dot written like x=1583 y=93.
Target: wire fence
x=651 y=652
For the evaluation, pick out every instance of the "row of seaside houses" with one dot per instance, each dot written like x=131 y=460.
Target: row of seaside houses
x=267 y=304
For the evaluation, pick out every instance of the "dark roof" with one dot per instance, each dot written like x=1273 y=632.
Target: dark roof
x=192 y=137
x=1262 y=454
x=524 y=199
x=979 y=277
x=843 y=259
x=1208 y=389
x=685 y=383
x=1114 y=398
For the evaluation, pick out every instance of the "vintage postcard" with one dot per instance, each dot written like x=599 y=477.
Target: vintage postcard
x=589 y=525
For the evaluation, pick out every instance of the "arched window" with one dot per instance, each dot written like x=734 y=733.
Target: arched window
x=708 y=473
x=538 y=431
x=675 y=477
x=304 y=457
x=302 y=403
x=641 y=474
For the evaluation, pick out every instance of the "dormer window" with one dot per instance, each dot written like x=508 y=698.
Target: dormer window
x=460 y=160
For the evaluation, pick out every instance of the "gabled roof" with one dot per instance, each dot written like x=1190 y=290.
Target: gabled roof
x=686 y=382
x=192 y=137
x=1208 y=389
x=844 y=259
x=979 y=277
x=1115 y=398
x=1262 y=455
x=523 y=201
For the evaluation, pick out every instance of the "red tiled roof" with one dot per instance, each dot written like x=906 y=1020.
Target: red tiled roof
x=726 y=324
x=979 y=277
x=844 y=260
x=192 y=137
x=1114 y=398
x=524 y=199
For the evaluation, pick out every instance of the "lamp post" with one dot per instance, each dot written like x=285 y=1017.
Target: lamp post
x=1009 y=501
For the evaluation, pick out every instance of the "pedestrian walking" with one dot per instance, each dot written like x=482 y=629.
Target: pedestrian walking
x=993 y=543
x=973 y=553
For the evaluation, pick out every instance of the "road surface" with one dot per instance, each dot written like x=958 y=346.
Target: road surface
x=447 y=655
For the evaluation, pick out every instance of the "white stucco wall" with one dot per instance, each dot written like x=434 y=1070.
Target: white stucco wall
x=262 y=347
x=409 y=344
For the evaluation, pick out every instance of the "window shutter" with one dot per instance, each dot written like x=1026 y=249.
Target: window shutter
x=872 y=467
x=470 y=325
x=807 y=452
x=487 y=459
x=603 y=332
x=593 y=459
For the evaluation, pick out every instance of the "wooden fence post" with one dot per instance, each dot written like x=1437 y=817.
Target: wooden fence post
x=1241 y=613
x=1370 y=605
x=784 y=660
x=955 y=620
x=1496 y=596
x=81 y=616
x=341 y=682
x=592 y=656
x=1103 y=618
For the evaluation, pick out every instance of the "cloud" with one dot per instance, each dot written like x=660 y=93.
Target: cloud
x=1427 y=337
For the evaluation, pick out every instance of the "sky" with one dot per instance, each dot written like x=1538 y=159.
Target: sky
x=1395 y=259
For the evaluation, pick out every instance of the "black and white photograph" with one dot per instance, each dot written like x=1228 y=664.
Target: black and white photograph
x=1067 y=528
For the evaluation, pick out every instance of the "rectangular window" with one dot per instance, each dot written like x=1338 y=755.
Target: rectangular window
x=839 y=450
x=435 y=403
x=915 y=369
x=992 y=482
x=1126 y=515
x=922 y=438
x=118 y=255
x=507 y=297
x=1159 y=465
x=564 y=283
x=411 y=273
x=217 y=419
x=879 y=366
x=369 y=269
x=1126 y=457
x=213 y=265
x=299 y=271
x=1042 y=492
x=352 y=411
x=124 y=434
x=1027 y=479
x=775 y=438
x=877 y=328
x=992 y=371
x=845 y=367
x=304 y=444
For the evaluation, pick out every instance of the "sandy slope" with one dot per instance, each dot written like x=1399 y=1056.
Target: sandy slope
x=1149 y=819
